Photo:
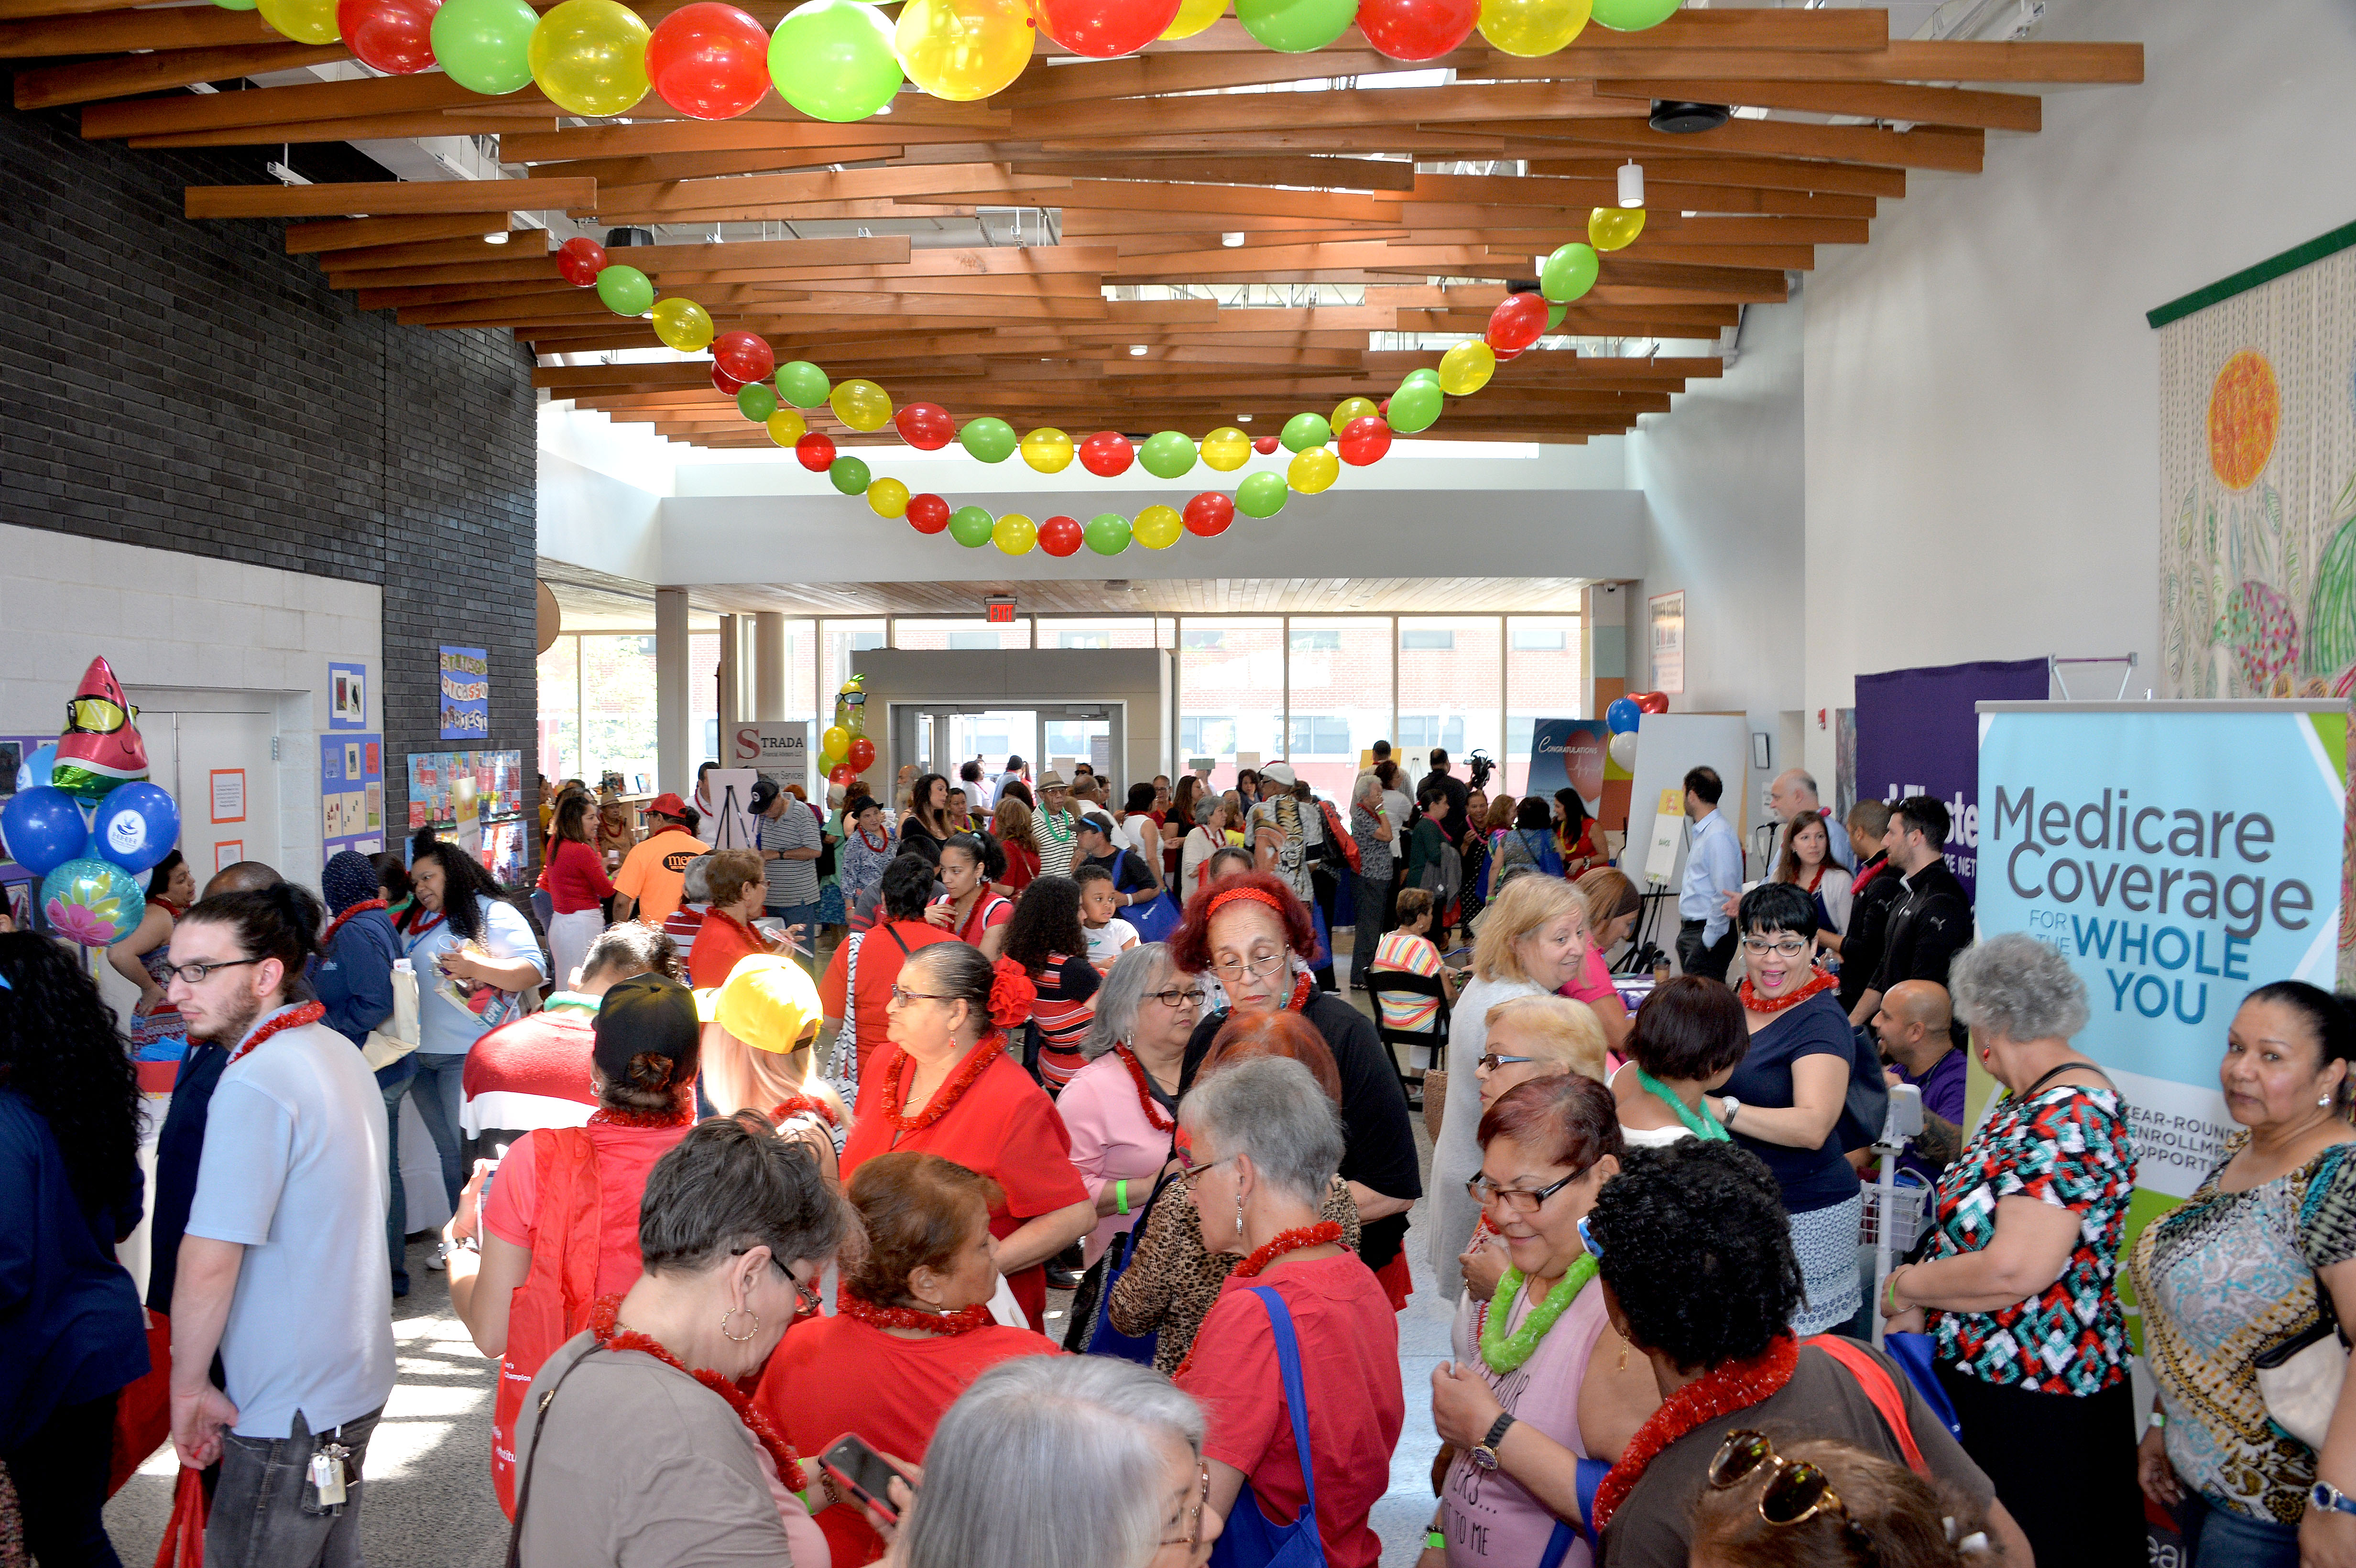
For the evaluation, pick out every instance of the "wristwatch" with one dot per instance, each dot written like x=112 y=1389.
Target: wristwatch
x=2327 y=1496
x=1484 y=1452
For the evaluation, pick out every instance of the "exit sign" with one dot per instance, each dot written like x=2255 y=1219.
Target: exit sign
x=1000 y=611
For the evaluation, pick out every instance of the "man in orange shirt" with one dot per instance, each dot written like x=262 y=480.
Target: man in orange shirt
x=647 y=888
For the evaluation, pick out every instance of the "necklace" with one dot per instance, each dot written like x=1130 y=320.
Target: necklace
x=1060 y=835
x=1303 y=989
x=875 y=845
x=1721 y=1391
x=1284 y=1242
x=964 y=1320
x=606 y=1323
x=1506 y=1352
x=1819 y=981
x=1705 y=1126
x=1158 y=1119
x=901 y=1074
x=292 y=1018
x=680 y=1115
x=805 y=1105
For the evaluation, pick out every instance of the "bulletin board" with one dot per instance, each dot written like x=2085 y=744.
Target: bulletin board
x=351 y=793
x=475 y=798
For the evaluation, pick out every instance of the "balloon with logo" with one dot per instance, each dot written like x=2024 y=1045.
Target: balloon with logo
x=100 y=747
x=42 y=829
x=136 y=825
x=92 y=902
x=851 y=705
x=1623 y=715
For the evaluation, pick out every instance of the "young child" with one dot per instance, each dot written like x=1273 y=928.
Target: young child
x=1406 y=950
x=1109 y=935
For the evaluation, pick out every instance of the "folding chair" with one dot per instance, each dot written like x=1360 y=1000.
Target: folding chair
x=1382 y=983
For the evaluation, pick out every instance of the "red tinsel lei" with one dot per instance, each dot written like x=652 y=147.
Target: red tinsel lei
x=1722 y=1391
x=811 y=1104
x=604 y=1322
x=900 y=1071
x=1819 y=981
x=680 y=1115
x=1303 y=989
x=326 y=937
x=1284 y=1242
x=1156 y=1118
x=965 y=1320
x=293 y=1018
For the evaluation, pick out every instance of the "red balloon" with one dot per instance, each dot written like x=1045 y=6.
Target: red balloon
x=1517 y=322
x=845 y=775
x=746 y=356
x=1364 y=441
x=1265 y=445
x=929 y=514
x=1505 y=354
x=1108 y=452
x=926 y=426
x=707 y=60
x=1208 y=514
x=1417 y=29
x=1383 y=407
x=861 y=756
x=581 y=261
x=1060 y=535
x=1652 y=701
x=816 y=451
x=1103 y=28
x=393 y=35
x=726 y=382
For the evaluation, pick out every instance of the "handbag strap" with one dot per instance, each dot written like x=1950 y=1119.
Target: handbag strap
x=524 y=1471
x=1879 y=1388
x=1296 y=1399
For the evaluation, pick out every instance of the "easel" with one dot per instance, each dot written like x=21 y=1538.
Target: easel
x=2053 y=663
x=728 y=815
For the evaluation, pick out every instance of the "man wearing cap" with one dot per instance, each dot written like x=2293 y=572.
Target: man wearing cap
x=647 y=888
x=791 y=841
x=1054 y=826
x=758 y=1030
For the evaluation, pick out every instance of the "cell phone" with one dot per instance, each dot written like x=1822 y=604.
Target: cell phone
x=862 y=1474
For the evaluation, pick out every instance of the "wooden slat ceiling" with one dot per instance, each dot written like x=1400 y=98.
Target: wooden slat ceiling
x=1148 y=164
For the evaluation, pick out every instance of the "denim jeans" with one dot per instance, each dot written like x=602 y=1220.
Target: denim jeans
x=439 y=1088
x=394 y=1081
x=259 y=1519
x=2219 y=1538
x=805 y=916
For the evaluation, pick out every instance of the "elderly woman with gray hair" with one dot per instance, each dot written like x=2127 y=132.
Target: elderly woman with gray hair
x=1297 y=1364
x=1122 y=1109
x=1063 y=1462
x=2018 y=1282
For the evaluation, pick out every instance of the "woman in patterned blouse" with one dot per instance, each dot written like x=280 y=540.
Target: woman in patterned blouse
x=2234 y=1273
x=2019 y=1283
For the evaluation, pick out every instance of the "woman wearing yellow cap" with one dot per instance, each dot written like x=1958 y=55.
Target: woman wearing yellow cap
x=758 y=1028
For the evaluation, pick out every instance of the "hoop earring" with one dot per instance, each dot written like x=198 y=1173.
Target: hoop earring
x=729 y=1315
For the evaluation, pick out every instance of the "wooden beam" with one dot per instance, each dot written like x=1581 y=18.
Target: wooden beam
x=653 y=138
x=384 y=199
x=298 y=104
x=1264 y=111
x=378 y=128
x=368 y=234
x=1876 y=101
x=156 y=27
x=1297 y=171
x=122 y=75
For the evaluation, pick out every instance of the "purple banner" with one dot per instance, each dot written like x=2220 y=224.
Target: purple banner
x=1918 y=733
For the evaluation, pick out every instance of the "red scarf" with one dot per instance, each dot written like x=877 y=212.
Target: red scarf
x=604 y=1322
x=1820 y=981
x=900 y=1071
x=965 y=1320
x=1293 y=1241
x=1160 y=1121
x=327 y=937
x=292 y=1018
x=1721 y=1391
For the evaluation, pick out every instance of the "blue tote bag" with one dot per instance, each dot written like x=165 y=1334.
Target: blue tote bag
x=1250 y=1541
x=1104 y=1339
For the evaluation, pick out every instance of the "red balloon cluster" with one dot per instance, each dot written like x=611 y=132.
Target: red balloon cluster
x=707 y=60
x=726 y=382
x=746 y=356
x=815 y=452
x=929 y=514
x=843 y=774
x=1516 y=323
x=1208 y=514
x=395 y=36
x=581 y=261
x=861 y=756
x=1060 y=535
x=1364 y=441
x=1417 y=29
x=1104 y=28
x=1265 y=445
x=926 y=426
x=1108 y=453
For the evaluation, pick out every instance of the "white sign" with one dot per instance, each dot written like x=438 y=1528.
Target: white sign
x=1668 y=641
x=776 y=749
x=229 y=794
x=732 y=824
x=1668 y=836
x=1100 y=754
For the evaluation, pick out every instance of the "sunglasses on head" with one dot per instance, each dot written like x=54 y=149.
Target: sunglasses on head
x=1795 y=1491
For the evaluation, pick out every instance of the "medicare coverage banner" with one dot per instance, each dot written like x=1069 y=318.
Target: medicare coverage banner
x=2182 y=854
x=1918 y=733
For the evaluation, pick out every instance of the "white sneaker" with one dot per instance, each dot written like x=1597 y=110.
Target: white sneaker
x=439 y=1260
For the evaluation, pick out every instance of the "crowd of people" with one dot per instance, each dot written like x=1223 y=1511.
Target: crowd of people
x=762 y=1240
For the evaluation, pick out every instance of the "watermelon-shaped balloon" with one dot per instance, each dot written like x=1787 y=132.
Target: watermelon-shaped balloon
x=92 y=902
x=100 y=748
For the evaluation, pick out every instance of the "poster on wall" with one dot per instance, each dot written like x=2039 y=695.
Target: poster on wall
x=347 y=697
x=1569 y=753
x=776 y=749
x=1917 y=733
x=1666 y=639
x=351 y=793
x=465 y=694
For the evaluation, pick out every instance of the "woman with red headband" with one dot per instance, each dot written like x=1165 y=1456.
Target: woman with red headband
x=948 y=1087
x=1253 y=933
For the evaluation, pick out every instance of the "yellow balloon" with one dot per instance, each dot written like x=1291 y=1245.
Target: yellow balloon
x=1613 y=228
x=682 y=323
x=1350 y=408
x=964 y=50
x=1533 y=28
x=1158 y=528
x=590 y=57
x=1313 y=470
x=1467 y=367
x=787 y=426
x=1015 y=534
x=1227 y=449
x=1194 y=16
x=1047 y=450
x=862 y=405
x=305 y=21
x=888 y=498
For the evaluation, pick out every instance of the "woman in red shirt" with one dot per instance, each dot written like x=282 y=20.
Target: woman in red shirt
x=969 y=911
x=739 y=891
x=912 y=1330
x=577 y=887
x=1011 y=823
x=948 y=1087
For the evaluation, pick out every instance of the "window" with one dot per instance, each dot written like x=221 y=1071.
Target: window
x=838 y=640
x=702 y=697
x=974 y=640
x=1543 y=676
x=1426 y=641
x=1082 y=639
x=1339 y=676
x=1528 y=639
x=1231 y=677
x=1420 y=732
x=1319 y=735
x=1201 y=642
x=560 y=710
x=1205 y=737
x=1112 y=632
x=1324 y=639
x=968 y=634
x=860 y=642
x=618 y=706
x=1456 y=680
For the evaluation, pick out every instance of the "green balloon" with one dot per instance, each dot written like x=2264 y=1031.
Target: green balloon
x=803 y=384
x=1555 y=312
x=1107 y=533
x=626 y=289
x=832 y=59
x=1414 y=406
x=1167 y=456
x=1568 y=273
x=1302 y=432
x=1634 y=16
x=1296 y=26
x=849 y=475
x=992 y=441
x=485 y=45
x=1262 y=494
x=1425 y=377
x=972 y=526
x=756 y=401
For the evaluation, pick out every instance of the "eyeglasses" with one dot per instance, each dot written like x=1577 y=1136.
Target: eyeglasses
x=901 y=997
x=1191 y=1173
x=196 y=973
x=1587 y=1239
x=1795 y=1491
x=1520 y=1200
x=1257 y=968
x=1193 y=1536
x=1187 y=999
x=807 y=1303
x=1493 y=1060
x=1790 y=947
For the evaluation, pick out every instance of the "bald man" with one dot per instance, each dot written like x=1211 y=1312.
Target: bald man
x=1912 y=1025
x=243 y=877
x=1792 y=794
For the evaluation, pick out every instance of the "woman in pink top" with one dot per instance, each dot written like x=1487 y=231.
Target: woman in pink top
x=1613 y=905
x=1541 y=1389
x=1121 y=1107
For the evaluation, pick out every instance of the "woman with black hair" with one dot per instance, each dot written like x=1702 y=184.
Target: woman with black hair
x=1527 y=845
x=1046 y=937
x=1699 y=1276
x=157 y=1033
x=1575 y=838
x=968 y=909
x=926 y=826
x=70 y=1191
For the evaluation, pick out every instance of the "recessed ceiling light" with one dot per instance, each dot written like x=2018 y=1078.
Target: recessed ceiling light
x=1243 y=418
x=1137 y=350
x=1232 y=238
x=499 y=239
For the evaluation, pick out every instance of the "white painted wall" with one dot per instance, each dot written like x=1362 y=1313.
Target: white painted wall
x=1982 y=388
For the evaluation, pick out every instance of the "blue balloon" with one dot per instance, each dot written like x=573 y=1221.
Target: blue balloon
x=91 y=902
x=43 y=829
x=1624 y=714
x=34 y=771
x=136 y=825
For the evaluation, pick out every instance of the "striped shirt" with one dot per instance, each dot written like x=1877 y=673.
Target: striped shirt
x=1408 y=953
x=1060 y=1019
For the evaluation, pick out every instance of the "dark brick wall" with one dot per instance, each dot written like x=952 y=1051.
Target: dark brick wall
x=191 y=387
